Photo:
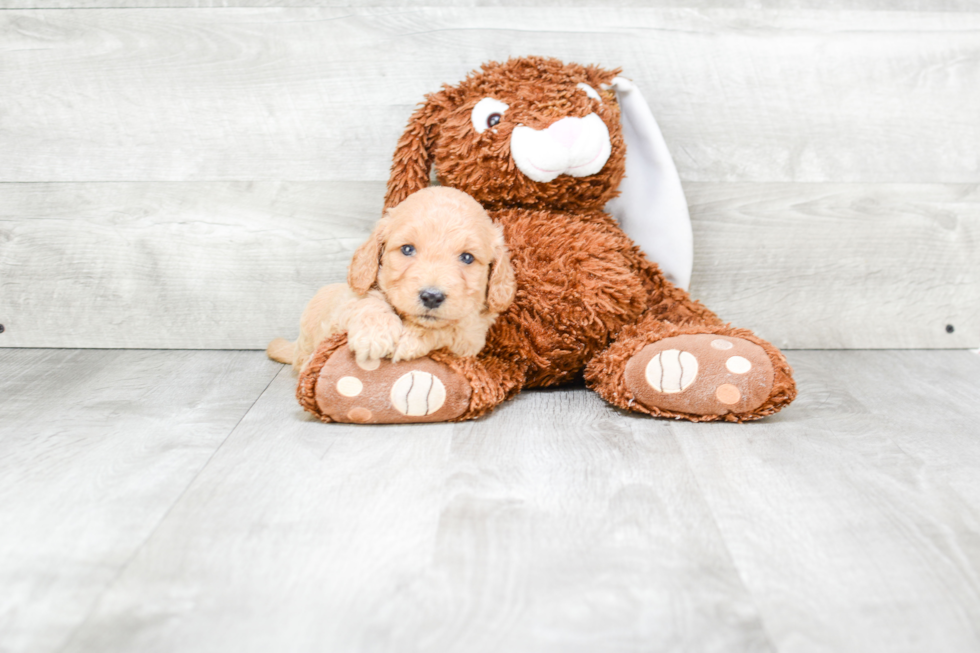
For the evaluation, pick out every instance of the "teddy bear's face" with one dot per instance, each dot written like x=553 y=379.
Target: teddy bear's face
x=531 y=132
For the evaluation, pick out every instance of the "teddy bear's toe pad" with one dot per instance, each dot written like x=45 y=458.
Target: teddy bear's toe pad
x=701 y=374
x=382 y=392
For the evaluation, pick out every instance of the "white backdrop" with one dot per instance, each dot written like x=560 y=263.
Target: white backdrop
x=187 y=177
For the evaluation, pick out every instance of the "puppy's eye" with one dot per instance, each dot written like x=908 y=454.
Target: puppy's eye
x=408 y=250
x=466 y=258
x=487 y=114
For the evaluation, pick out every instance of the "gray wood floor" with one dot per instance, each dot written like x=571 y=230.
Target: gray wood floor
x=181 y=501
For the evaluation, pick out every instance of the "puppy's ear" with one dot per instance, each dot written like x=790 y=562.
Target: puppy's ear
x=413 y=154
x=363 y=270
x=502 y=287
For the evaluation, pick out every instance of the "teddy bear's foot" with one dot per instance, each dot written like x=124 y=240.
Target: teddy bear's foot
x=382 y=392
x=701 y=374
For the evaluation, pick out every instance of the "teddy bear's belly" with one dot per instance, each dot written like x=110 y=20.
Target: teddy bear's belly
x=576 y=289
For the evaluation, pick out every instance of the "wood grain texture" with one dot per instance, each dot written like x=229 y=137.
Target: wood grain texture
x=828 y=5
x=941 y=432
x=805 y=138
x=231 y=265
x=212 y=265
x=323 y=93
x=848 y=522
x=841 y=265
x=853 y=516
x=95 y=448
x=577 y=530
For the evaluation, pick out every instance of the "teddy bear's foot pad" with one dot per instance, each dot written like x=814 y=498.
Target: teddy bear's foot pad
x=701 y=374
x=382 y=392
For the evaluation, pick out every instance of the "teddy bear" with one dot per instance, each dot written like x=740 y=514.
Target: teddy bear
x=540 y=144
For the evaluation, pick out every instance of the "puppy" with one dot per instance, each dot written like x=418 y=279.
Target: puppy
x=434 y=274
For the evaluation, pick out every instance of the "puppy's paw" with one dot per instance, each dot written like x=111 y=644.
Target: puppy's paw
x=374 y=339
x=410 y=347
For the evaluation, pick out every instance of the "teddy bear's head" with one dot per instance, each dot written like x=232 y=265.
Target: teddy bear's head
x=531 y=132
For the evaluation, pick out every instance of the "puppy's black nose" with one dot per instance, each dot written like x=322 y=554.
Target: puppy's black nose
x=432 y=297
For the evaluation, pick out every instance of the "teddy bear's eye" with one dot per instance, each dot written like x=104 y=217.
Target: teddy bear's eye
x=408 y=250
x=466 y=258
x=487 y=114
x=591 y=92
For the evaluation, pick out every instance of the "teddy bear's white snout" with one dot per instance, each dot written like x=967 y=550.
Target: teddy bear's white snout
x=572 y=146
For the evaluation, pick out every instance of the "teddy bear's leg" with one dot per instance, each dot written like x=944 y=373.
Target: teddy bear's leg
x=439 y=387
x=698 y=372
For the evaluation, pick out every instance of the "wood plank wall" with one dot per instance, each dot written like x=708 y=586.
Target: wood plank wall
x=185 y=174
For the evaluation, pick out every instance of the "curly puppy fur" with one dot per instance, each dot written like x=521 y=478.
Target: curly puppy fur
x=587 y=298
x=438 y=243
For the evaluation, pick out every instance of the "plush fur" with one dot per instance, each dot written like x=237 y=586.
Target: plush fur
x=436 y=240
x=588 y=299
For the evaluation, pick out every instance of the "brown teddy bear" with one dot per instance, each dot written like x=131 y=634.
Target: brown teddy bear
x=539 y=143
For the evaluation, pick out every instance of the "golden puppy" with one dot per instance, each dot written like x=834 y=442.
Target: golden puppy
x=434 y=274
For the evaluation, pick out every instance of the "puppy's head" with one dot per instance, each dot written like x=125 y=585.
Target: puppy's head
x=438 y=258
x=530 y=132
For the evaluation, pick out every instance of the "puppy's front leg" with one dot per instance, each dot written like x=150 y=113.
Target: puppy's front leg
x=373 y=328
x=411 y=345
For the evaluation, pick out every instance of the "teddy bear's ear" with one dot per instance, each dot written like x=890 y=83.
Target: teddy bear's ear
x=651 y=207
x=413 y=154
x=363 y=269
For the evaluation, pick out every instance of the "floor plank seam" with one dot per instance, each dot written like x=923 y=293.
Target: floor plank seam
x=939 y=482
x=724 y=542
x=129 y=561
